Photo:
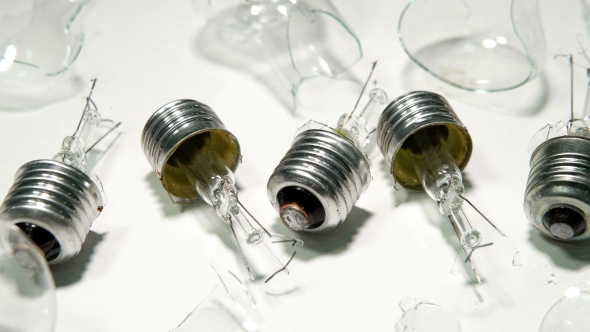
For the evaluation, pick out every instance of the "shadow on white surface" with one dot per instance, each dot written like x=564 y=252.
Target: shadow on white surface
x=333 y=243
x=167 y=205
x=72 y=271
x=573 y=255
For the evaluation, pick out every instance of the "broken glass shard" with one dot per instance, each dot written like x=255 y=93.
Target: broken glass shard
x=422 y=316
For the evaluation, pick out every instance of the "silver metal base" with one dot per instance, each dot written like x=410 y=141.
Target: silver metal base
x=560 y=180
x=328 y=166
x=173 y=124
x=56 y=197
x=406 y=115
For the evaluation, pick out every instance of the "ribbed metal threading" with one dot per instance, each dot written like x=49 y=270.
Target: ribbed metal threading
x=174 y=123
x=559 y=178
x=409 y=113
x=328 y=166
x=56 y=197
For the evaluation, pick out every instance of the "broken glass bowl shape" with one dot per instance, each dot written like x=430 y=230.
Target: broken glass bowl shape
x=571 y=313
x=300 y=39
x=476 y=45
x=39 y=40
x=27 y=291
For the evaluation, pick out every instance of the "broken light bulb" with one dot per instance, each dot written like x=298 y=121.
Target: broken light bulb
x=427 y=146
x=556 y=199
x=325 y=171
x=54 y=201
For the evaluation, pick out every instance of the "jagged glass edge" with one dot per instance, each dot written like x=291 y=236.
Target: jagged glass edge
x=303 y=78
x=80 y=42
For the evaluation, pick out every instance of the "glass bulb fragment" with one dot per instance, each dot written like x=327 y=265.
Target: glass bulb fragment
x=39 y=40
x=421 y=316
x=571 y=313
x=301 y=39
x=229 y=307
x=477 y=45
x=27 y=291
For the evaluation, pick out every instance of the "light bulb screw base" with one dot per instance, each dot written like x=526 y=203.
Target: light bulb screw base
x=57 y=200
x=556 y=198
x=405 y=116
x=323 y=169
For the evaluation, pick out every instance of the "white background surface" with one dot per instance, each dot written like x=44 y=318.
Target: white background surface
x=145 y=264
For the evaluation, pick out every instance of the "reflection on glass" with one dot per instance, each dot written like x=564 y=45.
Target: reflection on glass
x=27 y=299
x=38 y=41
x=301 y=39
x=571 y=313
x=475 y=45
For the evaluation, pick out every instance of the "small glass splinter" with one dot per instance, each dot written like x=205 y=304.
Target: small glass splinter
x=427 y=146
x=325 y=171
x=195 y=157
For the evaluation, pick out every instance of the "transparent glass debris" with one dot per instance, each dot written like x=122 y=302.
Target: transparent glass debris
x=421 y=316
x=475 y=45
x=229 y=307
x=39 y=40
x=571 y=313
x=516 y=260
x=27 y=291
x=300 y=39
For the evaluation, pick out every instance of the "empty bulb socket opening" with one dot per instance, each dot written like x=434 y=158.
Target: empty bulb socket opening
x=435 y=133
x=564 y=222
x=44 y=239
x=300 y=209
x=216 y=146
x=453 y=137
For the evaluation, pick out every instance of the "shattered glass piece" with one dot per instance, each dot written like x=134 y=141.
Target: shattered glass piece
x=27 y=291
x=571 y=313
x=463 y=43
x=516 y=261
x=421 y=316
x=302 y=40
x=229 y=307
x=39 y=40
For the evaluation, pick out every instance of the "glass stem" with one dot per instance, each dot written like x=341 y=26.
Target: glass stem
x=441 y=179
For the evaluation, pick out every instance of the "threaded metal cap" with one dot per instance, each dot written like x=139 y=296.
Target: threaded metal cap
x=56 y=199
x=405 y=116
x=319 y=180
x=184 y=122
x=556 y=199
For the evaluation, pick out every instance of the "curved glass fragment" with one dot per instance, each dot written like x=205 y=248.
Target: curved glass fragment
x=39 y=40
x=571 y=313
x=27 y=298
x=475 y=45
x=422 y=316
x=229 y=307
x=301 y=39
